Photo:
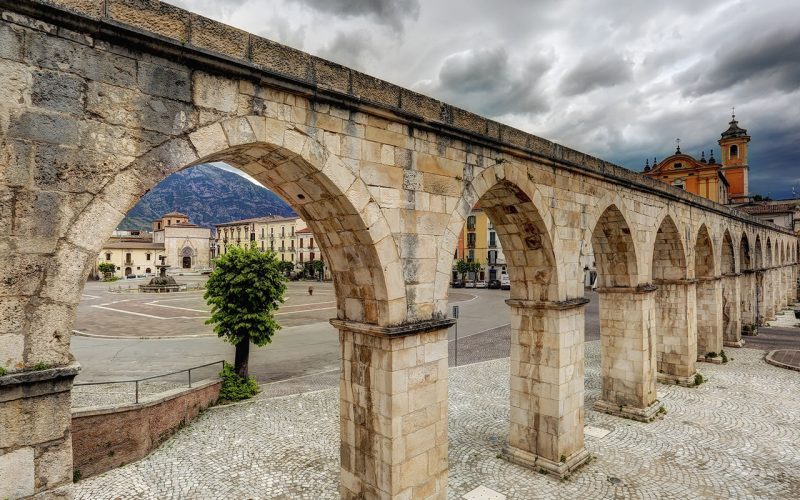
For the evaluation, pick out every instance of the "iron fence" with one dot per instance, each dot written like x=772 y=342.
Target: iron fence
x=137 y=381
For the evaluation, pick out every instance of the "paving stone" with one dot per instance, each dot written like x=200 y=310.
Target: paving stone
x=735 y=436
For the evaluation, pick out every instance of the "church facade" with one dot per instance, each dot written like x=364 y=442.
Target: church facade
x=724 y=181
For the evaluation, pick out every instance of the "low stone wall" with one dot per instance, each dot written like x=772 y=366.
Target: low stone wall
x=107 y=437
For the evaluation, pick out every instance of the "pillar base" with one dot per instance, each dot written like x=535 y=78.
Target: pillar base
x=715 y=360
x=541 y=464
x=647 y=414
x=665 y=378
x=732 y=343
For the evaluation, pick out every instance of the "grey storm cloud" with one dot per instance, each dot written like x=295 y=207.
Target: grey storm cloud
x=349 y=48
x=773 y=56
x=596 y=70
x=485 y=81
x=389 y=12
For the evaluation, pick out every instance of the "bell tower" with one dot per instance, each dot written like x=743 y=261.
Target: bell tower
x=734 y=160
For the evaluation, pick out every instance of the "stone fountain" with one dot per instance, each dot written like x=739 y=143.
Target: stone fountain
x=162 y=283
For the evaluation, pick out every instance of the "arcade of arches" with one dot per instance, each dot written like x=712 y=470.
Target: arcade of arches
x=385 y=179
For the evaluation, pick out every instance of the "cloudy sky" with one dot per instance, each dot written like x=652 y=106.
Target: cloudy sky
x=620 y=79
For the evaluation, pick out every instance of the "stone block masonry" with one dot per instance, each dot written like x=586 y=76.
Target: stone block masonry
x=102 y=99
x=107 y=437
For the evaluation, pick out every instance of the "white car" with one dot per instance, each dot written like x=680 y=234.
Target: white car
x=469 y=284
x=505 y=282
x=480 y=284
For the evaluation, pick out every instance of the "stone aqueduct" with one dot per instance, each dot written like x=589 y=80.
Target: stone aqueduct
x=102 y=99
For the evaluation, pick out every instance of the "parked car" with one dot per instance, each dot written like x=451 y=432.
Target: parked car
x=469 y=284
x=505 y=282
x=494 y=284
x=457 y=284
x=480 y=284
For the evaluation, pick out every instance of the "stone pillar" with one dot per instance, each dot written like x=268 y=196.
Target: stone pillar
x=769 y=294
x=628 y=364
x=747 y=295
x=35 y=442
x=709 y=317
x=731 y=311
x=547 y=374
x=676 y=331
x=760 y=299
x=393 y=410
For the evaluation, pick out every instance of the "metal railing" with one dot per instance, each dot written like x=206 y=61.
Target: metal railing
x=136 y=381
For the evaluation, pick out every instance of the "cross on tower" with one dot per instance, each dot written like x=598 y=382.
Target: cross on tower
x=733 y=112
x=677 y=146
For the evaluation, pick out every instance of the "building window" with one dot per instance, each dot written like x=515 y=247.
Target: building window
x=734 y=151
x=301 y=242
x=108 y=256
x=283 y=257
x=311 y=256
x=148 y=256
x=283 y=231
x=471 y=256
x=158 y=224
x=471 y=240
x=262 y=245
x=169 y=222
x=678 y=165
x=301 y=256
x=471 y=222
x=679 y=184
x=262 y=233
x=492 y=239
x=311 y=244
x=127 y=258
x=292 y=230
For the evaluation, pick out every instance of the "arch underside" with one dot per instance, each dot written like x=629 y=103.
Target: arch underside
x=525 y=242
x=344 y=239
x=614 y=250
x=669 y=259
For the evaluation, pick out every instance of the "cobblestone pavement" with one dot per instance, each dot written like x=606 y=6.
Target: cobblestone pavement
x=735 y=436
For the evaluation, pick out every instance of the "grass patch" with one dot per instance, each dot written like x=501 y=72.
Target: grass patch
x=234 y=387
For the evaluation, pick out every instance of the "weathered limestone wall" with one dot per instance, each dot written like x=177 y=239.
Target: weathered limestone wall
x=547 y=371
x=676 y=331
x=628 y=354
x=393 y=406
x=709 y=316
x=108 y=437
x=35 y=442
x=731 y=310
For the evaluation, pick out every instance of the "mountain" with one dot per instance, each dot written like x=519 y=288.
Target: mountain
x=208 y=195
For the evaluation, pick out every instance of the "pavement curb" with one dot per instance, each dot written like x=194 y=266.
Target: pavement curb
x=769 y=359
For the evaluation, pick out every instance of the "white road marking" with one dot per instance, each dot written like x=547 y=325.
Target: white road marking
x=151 y=316
x=90 y=296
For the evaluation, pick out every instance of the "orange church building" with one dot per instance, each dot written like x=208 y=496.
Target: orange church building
x=725 y=182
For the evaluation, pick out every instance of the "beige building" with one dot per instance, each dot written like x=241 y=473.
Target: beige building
x=289 y=237
x=186 y=246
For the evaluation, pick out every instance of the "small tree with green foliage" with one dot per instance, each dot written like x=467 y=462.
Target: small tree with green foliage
x=244 y=291
x=462 y=268
x=286 y=267
x=107 y=268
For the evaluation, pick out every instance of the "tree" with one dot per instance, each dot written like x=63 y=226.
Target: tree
x=462 y=267
x=317 y=269
x=244 y=291
x=474 y=268
x=107 y=268
x=286 y=267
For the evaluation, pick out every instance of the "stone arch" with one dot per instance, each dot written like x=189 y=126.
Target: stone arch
x=759 y=258
x=769 y=260
x=709 y=301
x=669 y=256
x=704 y=264
x=523 y=223
x=337 y=206
x=674 y=308
x=745 y=258
x=731 y=304
x=727 y=259
x=614 y=250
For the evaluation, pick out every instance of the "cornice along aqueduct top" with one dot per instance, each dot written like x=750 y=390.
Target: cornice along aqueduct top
x=200 y=42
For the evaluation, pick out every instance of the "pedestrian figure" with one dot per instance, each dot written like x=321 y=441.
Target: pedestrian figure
x=311 y=290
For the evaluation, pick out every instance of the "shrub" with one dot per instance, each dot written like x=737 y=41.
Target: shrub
x=2 y=371
x=40 y=366
x=698 y=379
x=712 y=354
x=234 y=387
x=723 y=356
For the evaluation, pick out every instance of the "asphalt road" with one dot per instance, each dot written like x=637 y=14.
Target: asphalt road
x=307 y=344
